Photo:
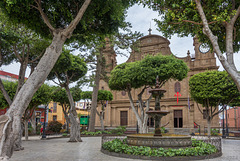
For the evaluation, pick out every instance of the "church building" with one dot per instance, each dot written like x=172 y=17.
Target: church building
x=184 y=115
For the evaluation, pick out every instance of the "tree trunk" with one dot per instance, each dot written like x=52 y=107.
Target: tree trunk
x=95 y=94
x=21 y=78
x=101 y=120
x=209 y=127
x=18 y=144
x=9 y=123
x=228 y=64
x=26 y=129
x=33 y=122
x=66 y=116
x=75 y=135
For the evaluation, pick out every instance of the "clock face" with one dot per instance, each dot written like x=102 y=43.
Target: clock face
x=204 y=48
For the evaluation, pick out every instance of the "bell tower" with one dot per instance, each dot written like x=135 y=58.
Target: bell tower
x=109 y=56
x=203 y=57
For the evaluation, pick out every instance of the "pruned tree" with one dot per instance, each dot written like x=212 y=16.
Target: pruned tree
x=214 y=22
x=142 y=74
x=60 y=96
x=103 y=97
x=211 y=89
x=68 y=69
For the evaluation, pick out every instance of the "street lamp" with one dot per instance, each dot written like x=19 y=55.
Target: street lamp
x=223 y=131
x=44 y=124
x=137 y=103
x=226 y=122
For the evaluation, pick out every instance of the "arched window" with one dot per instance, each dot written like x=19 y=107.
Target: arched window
x=177 y=87
x=123 y=93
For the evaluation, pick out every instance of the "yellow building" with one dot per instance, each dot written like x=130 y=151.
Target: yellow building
x=56 y=112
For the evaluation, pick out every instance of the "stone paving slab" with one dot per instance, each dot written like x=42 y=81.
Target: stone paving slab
x=89 y=150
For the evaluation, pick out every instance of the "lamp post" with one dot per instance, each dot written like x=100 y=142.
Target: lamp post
x=226 y=122
x=44 y=124
x=137 y=103
x=223 y=131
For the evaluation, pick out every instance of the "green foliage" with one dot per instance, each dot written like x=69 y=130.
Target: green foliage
x=95 y=133
x=101 y=16
x=16 y=38
x=59 y=95
x=214 y=132
x=86 y=95
x=212 y=88
x=103 y=95
x=11 y=88
x=181 y=17
x=137 y=74
x=199 y=148
x=119 y=130
x=54 y=126
x=42 y=96
x=69 y=68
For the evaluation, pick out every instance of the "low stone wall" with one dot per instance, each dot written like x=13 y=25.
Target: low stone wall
x=216 y=141
x=180 y=141
x=178 y=158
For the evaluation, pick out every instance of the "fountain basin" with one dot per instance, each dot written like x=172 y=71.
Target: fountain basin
x=165 y=141
x=157 y=113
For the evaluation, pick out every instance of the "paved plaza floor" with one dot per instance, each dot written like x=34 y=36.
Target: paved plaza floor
x=89 y=150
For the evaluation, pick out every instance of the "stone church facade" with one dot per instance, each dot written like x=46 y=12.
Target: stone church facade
x=183 y=114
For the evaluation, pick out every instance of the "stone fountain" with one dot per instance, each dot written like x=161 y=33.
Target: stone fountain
x=158 y=139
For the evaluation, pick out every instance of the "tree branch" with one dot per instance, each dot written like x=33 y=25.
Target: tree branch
x=16 y=53
x=5 y=94
x=234 y=19
x=44 y=16
x=68 y=31
x=189 y=21
x=199 y=109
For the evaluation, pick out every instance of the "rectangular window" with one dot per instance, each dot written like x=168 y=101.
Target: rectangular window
x=55 y=107
x=123 y=118
x=178 y=119
x=54 y=117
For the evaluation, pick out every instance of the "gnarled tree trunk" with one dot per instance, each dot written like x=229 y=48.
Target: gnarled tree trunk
x=33 y=123
x=75 y=135
x=95 y=94
x=9 y=123
x=26 y=129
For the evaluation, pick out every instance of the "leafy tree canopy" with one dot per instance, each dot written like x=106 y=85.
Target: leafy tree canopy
x=42 y=96
x=103 y=95
x=60 y=95
x=212 y=88
x=144 y=72
x=101 y=16
x=68 y=68
x=11 y=88
x=182 y=17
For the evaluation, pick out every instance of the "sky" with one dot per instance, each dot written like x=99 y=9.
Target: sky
x=140 y=18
